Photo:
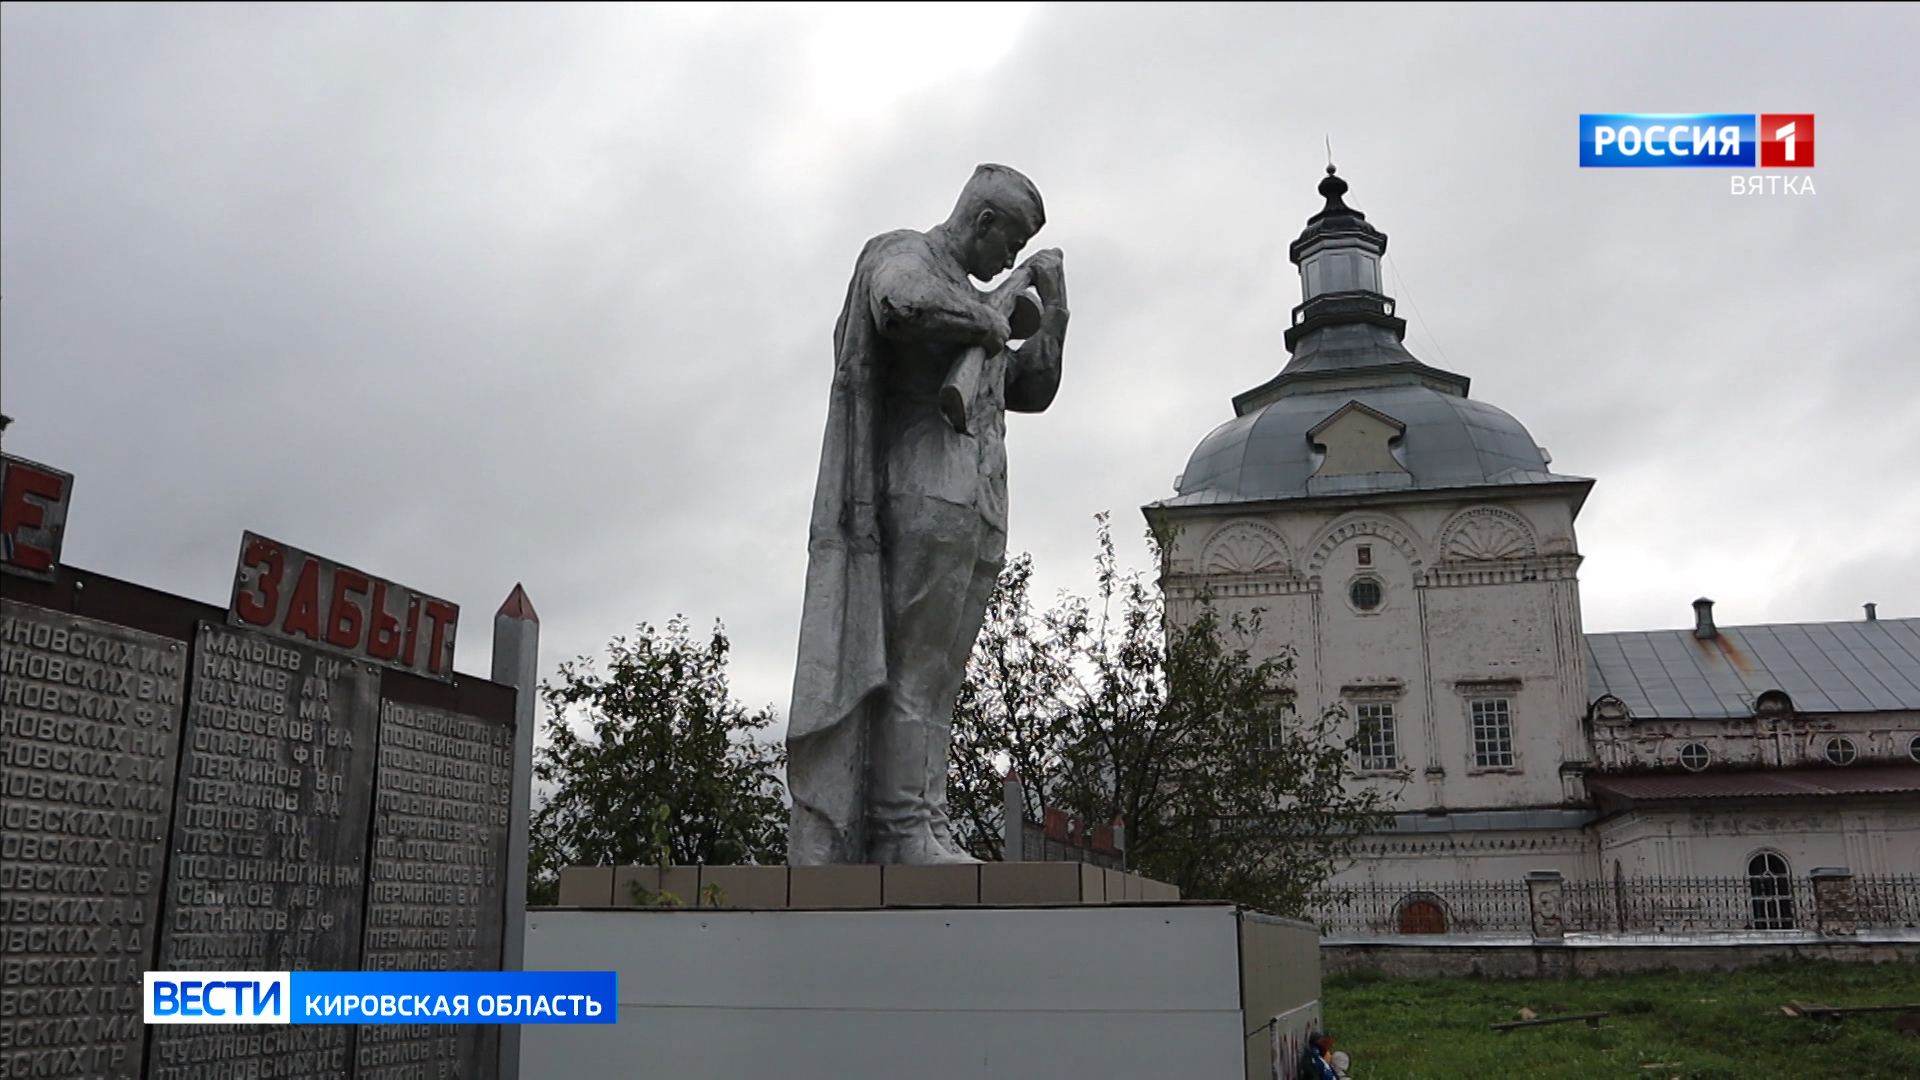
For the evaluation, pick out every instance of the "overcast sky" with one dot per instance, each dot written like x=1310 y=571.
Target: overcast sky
x=466 y=296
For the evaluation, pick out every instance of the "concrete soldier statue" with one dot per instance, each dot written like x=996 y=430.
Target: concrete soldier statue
x=910 y=517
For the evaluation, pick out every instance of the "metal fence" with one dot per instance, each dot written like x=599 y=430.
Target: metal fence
x=1687 y=905
x=1620 y=906
x=1429 y=907
x=1888 y=902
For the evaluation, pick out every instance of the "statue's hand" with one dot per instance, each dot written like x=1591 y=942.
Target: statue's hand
x=997 y=333
x=1049 y=277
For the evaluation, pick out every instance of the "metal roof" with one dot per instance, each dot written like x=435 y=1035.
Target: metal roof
x=1759 y=783
x=1837 y=667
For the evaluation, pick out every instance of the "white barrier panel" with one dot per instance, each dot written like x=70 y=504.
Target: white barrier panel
x=933 y=994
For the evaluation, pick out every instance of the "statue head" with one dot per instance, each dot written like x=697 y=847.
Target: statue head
x=998 y=212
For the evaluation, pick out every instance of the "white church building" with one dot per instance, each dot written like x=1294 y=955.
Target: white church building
x=1416 y=549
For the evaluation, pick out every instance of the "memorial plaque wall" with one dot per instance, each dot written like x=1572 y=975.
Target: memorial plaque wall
x=89 y=714
x=239 y=801
x=436 y=898
x=270 y=836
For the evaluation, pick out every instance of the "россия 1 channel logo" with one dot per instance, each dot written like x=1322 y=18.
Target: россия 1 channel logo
x=1696 y=140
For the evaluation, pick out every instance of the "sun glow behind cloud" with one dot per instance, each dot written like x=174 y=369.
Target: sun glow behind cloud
x=862 y=60
x=864 y=68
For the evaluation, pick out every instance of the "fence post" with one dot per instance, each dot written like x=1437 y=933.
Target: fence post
x=1834 y=908
x=1014 y=807
x=1545 y=895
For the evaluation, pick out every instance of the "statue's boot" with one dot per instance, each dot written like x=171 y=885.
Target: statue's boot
x=902 y=818
x=942 y=829
x=917 y=849
x=938 y=750
x=942 y=832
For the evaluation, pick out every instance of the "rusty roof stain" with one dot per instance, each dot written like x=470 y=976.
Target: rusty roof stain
x=1726 y=647
x=1759 y=783
x=1839 y=667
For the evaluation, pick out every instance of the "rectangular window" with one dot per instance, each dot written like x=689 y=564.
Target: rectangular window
x=1269 y=737
x=1492 y=734
x=1377 y=748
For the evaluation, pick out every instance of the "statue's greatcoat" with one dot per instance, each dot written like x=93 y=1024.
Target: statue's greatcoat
x=843 y=652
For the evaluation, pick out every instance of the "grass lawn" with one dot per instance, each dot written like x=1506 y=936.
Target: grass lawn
x=1702 y=1027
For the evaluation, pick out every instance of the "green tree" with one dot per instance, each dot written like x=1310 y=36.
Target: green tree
x=1009 y=714
x=653 y=761
x=1109 y=710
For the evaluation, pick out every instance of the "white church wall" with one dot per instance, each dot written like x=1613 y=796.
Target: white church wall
x=1370 y=657
x=1478 y=603
x=1491 y=651
x=1872 y=840
x=1471 y=856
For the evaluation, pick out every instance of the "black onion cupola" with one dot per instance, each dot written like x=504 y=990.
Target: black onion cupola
x=1349 y=369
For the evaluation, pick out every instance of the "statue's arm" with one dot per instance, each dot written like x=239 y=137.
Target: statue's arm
x=1033 y=374
x=1033 y=377
x=911 y=303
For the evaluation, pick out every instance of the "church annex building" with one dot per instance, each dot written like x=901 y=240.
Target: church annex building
x=1416 y=549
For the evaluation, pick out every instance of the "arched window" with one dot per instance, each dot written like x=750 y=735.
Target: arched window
x=1770 y=889
x=1422 y=915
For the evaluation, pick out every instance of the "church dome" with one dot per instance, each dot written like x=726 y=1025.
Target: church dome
x=1447 y=441
x=1353 y=411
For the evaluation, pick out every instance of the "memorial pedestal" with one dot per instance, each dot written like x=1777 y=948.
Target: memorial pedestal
x=857 y=886
x=938 y=990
